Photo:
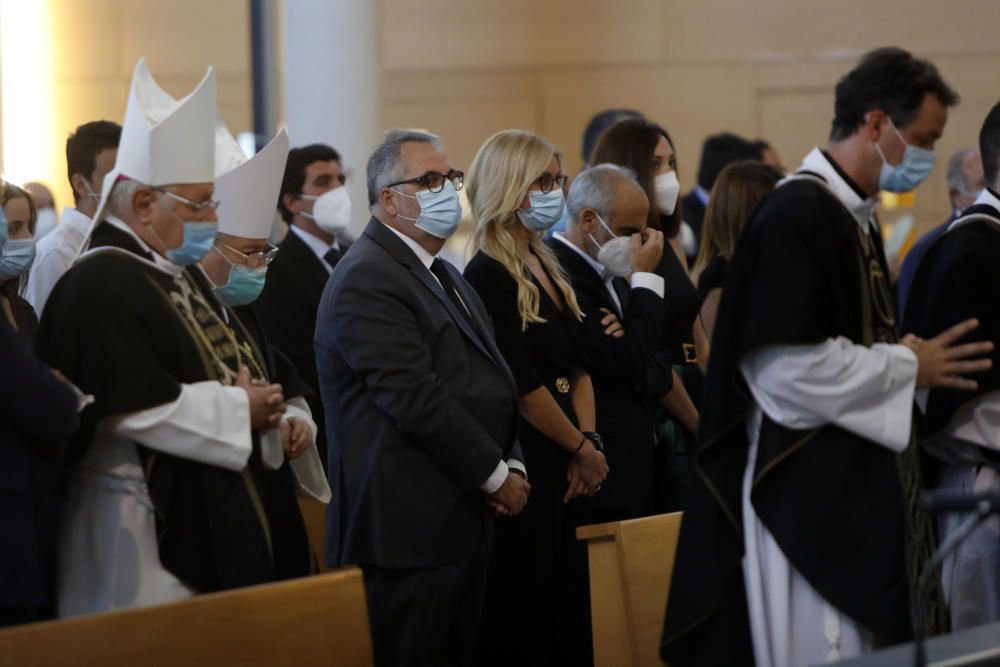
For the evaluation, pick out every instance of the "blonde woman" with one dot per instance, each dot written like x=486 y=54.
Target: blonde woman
x=538 y=572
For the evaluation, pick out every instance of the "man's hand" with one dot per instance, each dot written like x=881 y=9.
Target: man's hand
x=942 y=363
x=296 y=437
x=267 y=404
x=647 y=249
x=512 y=495
x=612 y=327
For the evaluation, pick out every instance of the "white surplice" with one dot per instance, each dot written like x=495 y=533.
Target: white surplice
x=866 y=391
x=108 y=556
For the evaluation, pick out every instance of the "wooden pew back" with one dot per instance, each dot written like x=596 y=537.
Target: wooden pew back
x=630 y=567
x=320 y=620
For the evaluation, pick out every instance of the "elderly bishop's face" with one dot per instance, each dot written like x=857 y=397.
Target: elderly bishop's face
x=176 y=210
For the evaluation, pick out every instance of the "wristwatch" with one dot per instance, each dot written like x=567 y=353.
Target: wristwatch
x=594 y=438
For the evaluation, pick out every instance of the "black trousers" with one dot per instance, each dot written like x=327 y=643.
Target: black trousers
x=426 y=617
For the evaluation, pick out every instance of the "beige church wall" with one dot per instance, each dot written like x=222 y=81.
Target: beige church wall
x=95 y=44
x=763 y=68
x=466 y=69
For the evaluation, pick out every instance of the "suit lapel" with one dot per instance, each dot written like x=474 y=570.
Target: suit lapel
x=395 y=247
x=307 y=259
x=582 y=275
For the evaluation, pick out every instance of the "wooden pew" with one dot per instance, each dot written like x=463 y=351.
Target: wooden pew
x=309 y=622
x=314 y=515
x=630 y=567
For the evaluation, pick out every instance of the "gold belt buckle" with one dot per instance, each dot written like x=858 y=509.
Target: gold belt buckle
x=690 y=353
x=562 y=385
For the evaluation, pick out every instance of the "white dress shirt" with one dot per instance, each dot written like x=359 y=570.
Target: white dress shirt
x=317 y=245
x=54 y=254
x=495 y=480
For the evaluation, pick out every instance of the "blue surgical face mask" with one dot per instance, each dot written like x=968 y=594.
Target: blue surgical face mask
x=244 y=286
x=915 y=167
x=16 y=256
x=545 y=210
x=440 y=212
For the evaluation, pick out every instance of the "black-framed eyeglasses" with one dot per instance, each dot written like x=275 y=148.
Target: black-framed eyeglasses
x=435 y=181
x=547 y=182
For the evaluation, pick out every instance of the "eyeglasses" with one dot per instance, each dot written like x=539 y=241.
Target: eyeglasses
x=254 y=260
x=548 y=182
x=197 y=207
x=435 y=181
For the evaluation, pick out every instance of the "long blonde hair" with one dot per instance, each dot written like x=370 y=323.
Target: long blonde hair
x=501 y=173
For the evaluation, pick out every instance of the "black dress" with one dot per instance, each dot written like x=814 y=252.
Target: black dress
x=537 y=609
x=672 y=469
x=712 y=277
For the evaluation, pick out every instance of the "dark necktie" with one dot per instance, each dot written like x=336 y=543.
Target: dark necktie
x=441 y=272
x=332 y=256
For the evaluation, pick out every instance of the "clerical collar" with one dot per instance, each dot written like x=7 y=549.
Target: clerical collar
x=843 y=186
x=158 y=261
x=990 y=198
x=594 y=264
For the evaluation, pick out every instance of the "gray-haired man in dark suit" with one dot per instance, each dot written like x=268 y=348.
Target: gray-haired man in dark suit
x=421 y=414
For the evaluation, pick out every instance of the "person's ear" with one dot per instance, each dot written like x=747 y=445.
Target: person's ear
x=290 y=201
x=388 y=202
x=144 y=205
x=79 y=185
x=876 y=123
x=588 y=220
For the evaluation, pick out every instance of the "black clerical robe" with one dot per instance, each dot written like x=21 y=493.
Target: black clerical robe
x=131 y=333
x=840 y=507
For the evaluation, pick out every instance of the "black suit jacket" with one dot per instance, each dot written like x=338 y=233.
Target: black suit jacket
x=626 y=418
x=420 y=408
x=286 y=310
x=38 y=415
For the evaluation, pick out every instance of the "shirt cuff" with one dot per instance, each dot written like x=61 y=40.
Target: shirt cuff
x=514 y=464
x=650 y=281
x=496 y=480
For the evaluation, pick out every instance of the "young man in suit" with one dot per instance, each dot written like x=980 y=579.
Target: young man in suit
x=295 y=279
x=610 y=255
x=421 y=412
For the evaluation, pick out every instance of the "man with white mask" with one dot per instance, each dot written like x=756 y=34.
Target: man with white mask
x=167 y=493
x=610 y=255
x=802 y=540
x=90 y=154
x=314 y=203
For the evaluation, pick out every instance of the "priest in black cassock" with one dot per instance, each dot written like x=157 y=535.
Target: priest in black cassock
x=166 y=491
x=958 y=279
x=802 y=540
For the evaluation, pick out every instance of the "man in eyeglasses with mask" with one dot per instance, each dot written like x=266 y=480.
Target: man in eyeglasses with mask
x=802 y=540
x=421 y=412
x=313 y=201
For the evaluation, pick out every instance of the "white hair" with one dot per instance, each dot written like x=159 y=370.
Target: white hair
x=595 y=188
x=384 y=166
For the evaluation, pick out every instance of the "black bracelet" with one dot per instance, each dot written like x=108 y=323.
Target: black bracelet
x=583 y=441
x=596 y=439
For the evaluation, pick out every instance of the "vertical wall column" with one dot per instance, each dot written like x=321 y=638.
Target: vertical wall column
x=332 y=84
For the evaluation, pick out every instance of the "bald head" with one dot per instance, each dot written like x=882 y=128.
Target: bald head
x=607 y=193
